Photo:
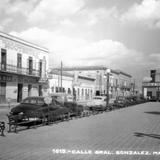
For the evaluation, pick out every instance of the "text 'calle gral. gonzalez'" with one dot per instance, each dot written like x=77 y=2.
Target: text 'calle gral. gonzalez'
x=103 y=152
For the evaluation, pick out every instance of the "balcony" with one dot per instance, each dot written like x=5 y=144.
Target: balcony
x=125 y=87
x=9 y=68
x=150 y=84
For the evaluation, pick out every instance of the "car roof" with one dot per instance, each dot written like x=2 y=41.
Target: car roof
x=34 y=97
x=60 y=94
x=103 y=97
x=100 y=96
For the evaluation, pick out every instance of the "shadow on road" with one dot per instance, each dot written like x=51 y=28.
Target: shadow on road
x=153 y=112
x=148 y=135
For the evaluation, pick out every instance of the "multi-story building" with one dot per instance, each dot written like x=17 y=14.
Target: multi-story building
x=82 y=87
x=23 y=68
x=151 y=87
x=119 y=82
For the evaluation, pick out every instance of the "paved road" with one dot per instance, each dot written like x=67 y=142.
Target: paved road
x=134 y=129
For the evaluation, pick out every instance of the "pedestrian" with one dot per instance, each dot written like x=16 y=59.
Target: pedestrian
x=2 y=128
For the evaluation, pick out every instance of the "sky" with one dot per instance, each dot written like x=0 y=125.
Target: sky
x=119 y=34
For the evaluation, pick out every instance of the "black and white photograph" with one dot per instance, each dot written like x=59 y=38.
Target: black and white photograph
x=79 y=79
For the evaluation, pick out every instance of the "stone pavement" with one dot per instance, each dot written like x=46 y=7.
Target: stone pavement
x=107 y=136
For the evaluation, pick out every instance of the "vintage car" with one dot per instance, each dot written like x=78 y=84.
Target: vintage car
x=120 y=102
x=38 y=104
x=67 y=100
x=99 y=103
x=62 y=97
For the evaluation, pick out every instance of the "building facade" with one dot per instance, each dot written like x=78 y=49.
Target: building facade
x=23 y=68
x=82 y=87
x=120 y=83
x=151 y=88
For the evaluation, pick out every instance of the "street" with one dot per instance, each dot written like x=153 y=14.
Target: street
x=128 y=133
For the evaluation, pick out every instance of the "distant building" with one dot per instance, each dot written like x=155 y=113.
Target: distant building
x=151 y=88
x=23 y=68
x=120 y=82
x=82 y=87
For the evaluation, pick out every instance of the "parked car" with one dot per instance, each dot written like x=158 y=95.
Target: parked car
x=99 y=103
x=153 y=99
x=67 y=101
x=38 y=104
x=120 y=102
x=62 y=97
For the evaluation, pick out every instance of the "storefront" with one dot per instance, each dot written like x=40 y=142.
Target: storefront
x=17 y=87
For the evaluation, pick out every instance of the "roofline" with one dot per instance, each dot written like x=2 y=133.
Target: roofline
x=126 y=74
x=93 y=68
x=24 y=42
x=71 y=75
x=85 y=77
x=84 y=68
x=63 y=73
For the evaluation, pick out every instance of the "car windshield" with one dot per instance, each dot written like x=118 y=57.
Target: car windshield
x=98 y=98
x=121 y=98
x=69 y=97
x=27 y=100
x=33 y=100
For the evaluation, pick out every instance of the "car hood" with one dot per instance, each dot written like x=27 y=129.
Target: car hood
x=23 y=108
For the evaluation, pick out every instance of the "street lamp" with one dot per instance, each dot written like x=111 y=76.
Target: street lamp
x=108 y=71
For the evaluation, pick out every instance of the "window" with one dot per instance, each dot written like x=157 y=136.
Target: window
x=33 y=101
x=99 y=98
x=52 y=89
x=30 y=65
x=56 y=89
x=69 y=91
x=82 y=93
x=40 y=68
x=25 y=101
x=19 y=60
x=78 y=92
x=3 y=59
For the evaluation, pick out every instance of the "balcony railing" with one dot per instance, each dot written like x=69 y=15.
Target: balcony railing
x=22 y=71
x=151 y=84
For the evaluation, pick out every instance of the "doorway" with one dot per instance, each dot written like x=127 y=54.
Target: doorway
x=158 y=95
x=29 y=90
x=2 y=92
x=20 y=91
x=40 y=90
x=97 y=93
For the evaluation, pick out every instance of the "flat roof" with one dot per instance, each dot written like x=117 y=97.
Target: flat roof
x=24 y=42
x=84 y=68
x=57 y=72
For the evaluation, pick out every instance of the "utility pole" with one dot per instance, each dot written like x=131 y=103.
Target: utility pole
x=61 y=76
x=134 y=87
x=107 y=87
